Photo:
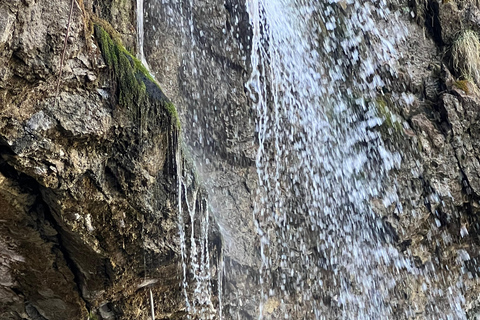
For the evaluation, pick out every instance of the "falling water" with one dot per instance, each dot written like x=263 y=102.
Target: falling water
x=194 y=243
x=140 y=33
x=326 y=254
x=199 y=254
x=318 y=70
x=181 y=226
x=317 y=144
x=193 y=218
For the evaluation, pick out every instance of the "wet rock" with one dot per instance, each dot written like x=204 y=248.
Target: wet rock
x=433 y=202
x=86 y=213
x=462 y=116
x=204 y=72
x=451 y=17
x=88 y=187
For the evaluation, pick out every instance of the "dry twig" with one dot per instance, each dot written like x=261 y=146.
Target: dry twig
x=64 y=49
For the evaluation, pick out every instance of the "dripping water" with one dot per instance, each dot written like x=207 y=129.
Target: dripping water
x=199 y=255
x=140 y=33
x=193 y=221
x=181 y=227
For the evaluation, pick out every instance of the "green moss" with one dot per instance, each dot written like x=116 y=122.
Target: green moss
x=173 y=113
x=140 y=67
x=92 y=316
x=132 y=78
x=107 y=46
x=390 y=122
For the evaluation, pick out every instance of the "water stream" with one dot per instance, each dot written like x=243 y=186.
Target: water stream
x=141 y=33
x=194 y=228
x=320 y=159
x=317 y=74
x=316 y=78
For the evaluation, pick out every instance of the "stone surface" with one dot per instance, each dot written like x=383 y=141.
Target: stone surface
x=88 y=186
x=434 y=218
x=200 y=55
x=88 y=194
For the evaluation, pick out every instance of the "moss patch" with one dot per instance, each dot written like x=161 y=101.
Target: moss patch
x=136 y=90
x=173 y=113
x=383 y=110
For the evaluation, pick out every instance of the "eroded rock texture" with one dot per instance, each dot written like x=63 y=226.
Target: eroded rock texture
x=88 y=192
x=88 y=184
x=436 y=215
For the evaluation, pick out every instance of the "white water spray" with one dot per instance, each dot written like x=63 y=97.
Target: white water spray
x=326 y=253
x=194 y=245
x=181 y=227
x=320 y=161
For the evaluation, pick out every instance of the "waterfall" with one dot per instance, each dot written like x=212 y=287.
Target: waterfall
x=140 y=33
x=315 y=84
x=316 y=75
x=314 y=145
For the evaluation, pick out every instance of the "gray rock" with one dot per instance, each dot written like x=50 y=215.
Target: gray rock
x=88 y=187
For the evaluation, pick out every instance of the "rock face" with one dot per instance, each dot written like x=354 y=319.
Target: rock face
x=201 y=57
x=88 y=173
x=89 y=215
x=434 y=220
